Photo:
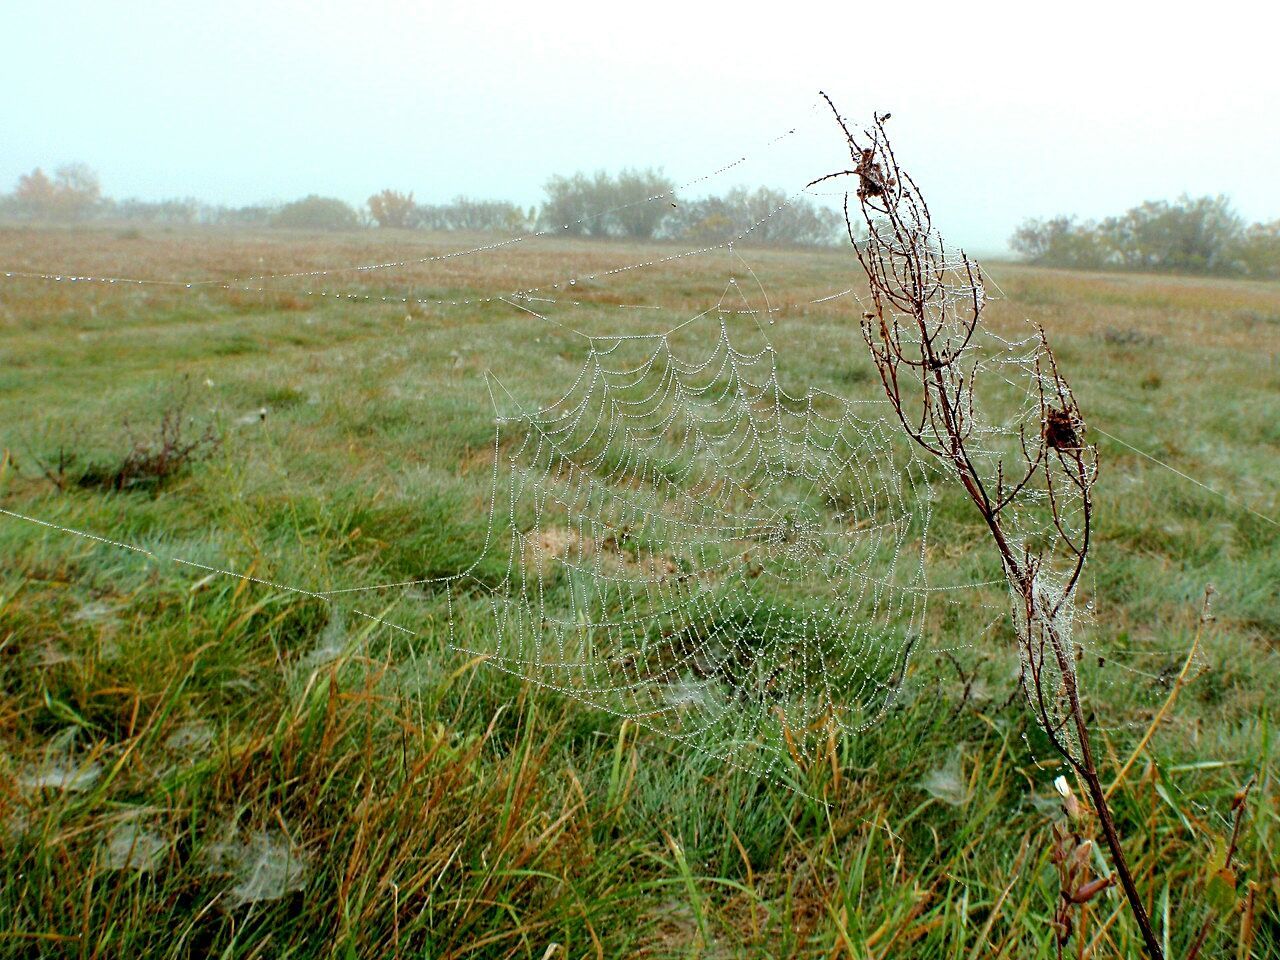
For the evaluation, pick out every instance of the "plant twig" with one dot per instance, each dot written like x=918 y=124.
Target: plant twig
x=921 y=326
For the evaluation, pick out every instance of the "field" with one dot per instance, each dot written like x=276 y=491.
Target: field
x=196 y=764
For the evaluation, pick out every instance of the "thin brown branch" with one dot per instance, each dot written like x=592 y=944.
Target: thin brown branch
x=924 y=316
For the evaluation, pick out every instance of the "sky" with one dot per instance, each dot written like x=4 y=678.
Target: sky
x=1000 y=111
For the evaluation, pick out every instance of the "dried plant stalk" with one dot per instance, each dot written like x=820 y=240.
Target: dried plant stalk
x=1031 y=484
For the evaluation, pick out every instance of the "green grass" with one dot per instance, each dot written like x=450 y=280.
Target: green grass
x=430 y=805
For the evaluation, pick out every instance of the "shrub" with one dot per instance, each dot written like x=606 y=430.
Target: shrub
x=1258 y=252
x=764 y=216
x=633 y=204
x=392 y=209
x=464 y=213
x=1189 y=235
x=317 y=213
x=154 y=459
x=151 y=460
x=73 y=194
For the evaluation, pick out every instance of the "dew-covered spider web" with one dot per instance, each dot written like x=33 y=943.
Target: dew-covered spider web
x=696 y=547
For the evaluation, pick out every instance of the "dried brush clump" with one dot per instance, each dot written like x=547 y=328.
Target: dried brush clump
x=153 y=458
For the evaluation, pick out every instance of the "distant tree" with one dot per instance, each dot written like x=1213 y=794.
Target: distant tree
x=464 y=213
x=255 y=215
x=777 y=220
x=1036 y=240
x=712 y=225
x=572 y=202
x=1257 y=252
x=393 y=209
x=1189 y=235
x=33 y=196
x=638 y=201
x=176 y=211
x=708 y=220
x=634 y=204
x=764 y=217
x=1062 y=242
x=468 y=214
x=316 y=213
x=77 y=191
x=516 y=219
x=73 y=194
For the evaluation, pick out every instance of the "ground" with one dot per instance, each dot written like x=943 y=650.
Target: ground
x=195 y=764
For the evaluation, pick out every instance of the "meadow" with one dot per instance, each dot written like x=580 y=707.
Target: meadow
x=200 y=764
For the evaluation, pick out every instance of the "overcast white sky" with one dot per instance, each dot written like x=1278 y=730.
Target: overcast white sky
x=1001 y=111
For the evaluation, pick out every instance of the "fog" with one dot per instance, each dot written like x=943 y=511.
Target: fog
x=1001 y=111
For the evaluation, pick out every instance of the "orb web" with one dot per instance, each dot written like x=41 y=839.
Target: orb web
x=696 y=549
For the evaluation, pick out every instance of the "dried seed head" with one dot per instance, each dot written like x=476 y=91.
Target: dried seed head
x=1087 y=891
x=1060 y=430
x=1081 y=854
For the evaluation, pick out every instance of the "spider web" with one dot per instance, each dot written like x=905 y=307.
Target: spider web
x=697 y=549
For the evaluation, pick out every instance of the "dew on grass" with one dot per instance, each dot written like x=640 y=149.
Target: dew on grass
x=51 y=654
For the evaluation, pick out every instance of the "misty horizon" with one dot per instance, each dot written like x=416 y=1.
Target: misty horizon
x=361 y=203
x=1012 y=114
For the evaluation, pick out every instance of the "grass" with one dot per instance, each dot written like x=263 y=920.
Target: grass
x=317 y=784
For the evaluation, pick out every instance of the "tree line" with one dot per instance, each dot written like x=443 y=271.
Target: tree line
x=1189 y=235
x=632 y=204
